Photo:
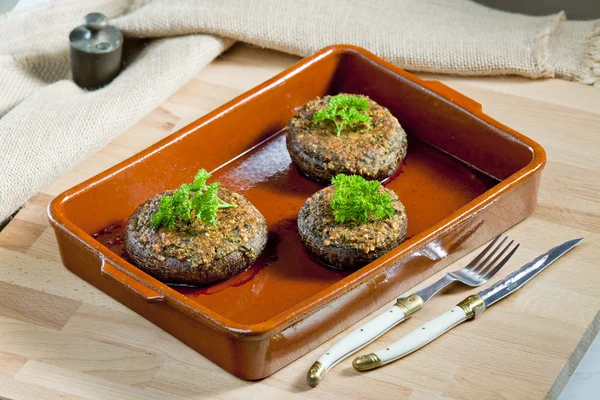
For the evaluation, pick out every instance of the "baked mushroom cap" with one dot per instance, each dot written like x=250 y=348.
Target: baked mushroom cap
x=195 y=252
x=374 y=152
x=348 y=245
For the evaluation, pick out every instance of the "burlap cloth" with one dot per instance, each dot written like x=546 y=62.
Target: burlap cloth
x=48 y=124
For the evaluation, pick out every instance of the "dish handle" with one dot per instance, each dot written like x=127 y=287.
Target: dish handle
x=453 y=95
x=112 y=271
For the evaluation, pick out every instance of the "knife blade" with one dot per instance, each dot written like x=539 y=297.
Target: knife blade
x=469 y=308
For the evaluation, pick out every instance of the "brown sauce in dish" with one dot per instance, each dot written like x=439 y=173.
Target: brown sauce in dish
x=430 y=183
x=113 y=237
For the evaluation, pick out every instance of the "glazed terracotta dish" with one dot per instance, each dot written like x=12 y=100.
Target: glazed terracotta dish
x=465 y=178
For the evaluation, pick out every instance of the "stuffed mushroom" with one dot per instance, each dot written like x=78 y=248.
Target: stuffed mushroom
x=352 y=223
x=349 y=134
x=214 y=236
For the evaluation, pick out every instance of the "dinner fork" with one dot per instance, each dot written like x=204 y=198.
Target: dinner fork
x=476 y=273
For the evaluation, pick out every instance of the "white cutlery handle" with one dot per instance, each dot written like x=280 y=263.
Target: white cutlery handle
x=362 y=336
x=468 y=308
x=423 y=335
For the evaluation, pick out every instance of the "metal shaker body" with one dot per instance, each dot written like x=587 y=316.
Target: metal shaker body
x=96 y=52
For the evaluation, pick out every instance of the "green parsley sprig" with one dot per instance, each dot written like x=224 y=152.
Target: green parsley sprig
x=197 y=200
x=357 y=199
x=344 y=110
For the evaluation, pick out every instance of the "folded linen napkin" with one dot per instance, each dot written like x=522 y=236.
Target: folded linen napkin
x=48 y=124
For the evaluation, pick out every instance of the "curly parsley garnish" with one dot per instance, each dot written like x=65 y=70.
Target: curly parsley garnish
x=344 y=110
x=357 y=199
x=197 y=199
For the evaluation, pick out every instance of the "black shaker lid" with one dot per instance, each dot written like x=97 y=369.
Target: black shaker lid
x=96 y=36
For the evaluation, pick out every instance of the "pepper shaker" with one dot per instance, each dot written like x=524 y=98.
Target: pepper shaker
x=96 y=52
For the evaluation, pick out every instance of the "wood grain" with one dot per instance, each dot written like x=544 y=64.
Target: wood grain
x=62 y=338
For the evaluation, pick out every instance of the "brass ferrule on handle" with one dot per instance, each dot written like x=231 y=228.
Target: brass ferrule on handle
x=366 y=362
x=410 y=305
x=315 y=374
x=472 y=306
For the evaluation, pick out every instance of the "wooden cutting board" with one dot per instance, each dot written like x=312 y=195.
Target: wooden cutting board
x=62 y=338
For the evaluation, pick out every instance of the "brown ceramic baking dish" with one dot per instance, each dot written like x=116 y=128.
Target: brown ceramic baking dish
x=466 y=179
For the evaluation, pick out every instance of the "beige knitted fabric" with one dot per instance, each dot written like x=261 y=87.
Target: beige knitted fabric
x=48 y=124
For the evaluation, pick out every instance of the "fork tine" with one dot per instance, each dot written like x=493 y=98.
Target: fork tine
x=501 y=264
x=484 y=264
x=484 y=269
x=475 y=261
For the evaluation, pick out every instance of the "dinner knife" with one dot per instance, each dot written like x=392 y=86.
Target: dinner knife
x=476 y=273
x=469 y=308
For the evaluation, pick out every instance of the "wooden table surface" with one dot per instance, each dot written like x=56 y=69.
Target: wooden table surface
x=62 y=338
